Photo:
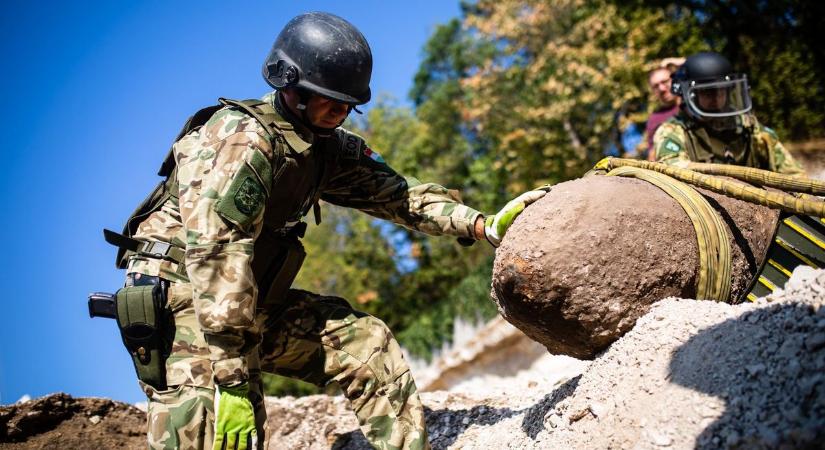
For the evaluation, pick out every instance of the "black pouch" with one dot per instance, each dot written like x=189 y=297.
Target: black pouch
x=147 y=328
x=278 y=259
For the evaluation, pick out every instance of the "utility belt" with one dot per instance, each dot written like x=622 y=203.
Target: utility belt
x=142 y=309
x=148 y=249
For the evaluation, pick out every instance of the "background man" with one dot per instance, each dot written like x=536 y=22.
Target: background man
x=221 y=236
x=715 y=123
x=658 y=79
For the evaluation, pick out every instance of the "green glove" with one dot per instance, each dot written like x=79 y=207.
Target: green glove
x=496 y=226
x=234 y=419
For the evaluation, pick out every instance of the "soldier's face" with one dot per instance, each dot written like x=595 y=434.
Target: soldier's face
x=712 y=99
x=325 y=113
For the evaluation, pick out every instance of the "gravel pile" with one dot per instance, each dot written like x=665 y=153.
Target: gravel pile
x=690 y=374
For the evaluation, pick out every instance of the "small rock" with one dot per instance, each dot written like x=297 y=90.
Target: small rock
x=659 y=439
x=792 y=369
x=597 y=409
x=578 y=415
x=94 y=419
x=554 y=421
x=815 y=342
x=755 y=369
x=732 y=439
x=769 y=437
x=789 y=349
x=465 y=421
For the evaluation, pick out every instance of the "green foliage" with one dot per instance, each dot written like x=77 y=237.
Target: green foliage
x=518 y=93
x=778 y=44
x=566 y=79
x=469 y=299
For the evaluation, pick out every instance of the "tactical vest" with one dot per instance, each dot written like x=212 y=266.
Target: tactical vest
x=742 y=150
x=299 y=174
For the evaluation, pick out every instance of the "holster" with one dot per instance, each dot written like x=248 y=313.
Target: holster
x=147 y=328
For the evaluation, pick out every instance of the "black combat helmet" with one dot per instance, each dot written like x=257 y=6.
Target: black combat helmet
x=323 y=54
x=705 y=66
x=710 y=88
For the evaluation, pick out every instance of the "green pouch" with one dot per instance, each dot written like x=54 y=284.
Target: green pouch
x=147 y=328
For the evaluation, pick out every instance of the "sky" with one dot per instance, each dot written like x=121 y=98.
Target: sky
x=94 y=94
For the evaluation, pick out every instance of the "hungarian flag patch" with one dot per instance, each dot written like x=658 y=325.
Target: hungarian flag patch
x=373 y=155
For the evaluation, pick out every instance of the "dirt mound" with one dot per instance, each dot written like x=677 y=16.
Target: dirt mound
x=60 y=422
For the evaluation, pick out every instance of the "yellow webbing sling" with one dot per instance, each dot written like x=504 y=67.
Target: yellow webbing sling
x=714 y=278
x=803 y=204
x=714 y=244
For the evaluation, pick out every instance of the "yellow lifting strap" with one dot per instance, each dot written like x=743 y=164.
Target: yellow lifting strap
x=796 y=204
x=714 y=244
x=761 y=177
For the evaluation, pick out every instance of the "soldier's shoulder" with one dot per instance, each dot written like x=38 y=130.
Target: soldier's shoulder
x=229 y=121
x=672 y=128
x=669 y=139
x=674 y=122
x=768 y=131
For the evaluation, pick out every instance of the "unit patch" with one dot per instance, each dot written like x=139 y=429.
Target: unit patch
x=250 y=197
x=672 y=146
x=351 y=146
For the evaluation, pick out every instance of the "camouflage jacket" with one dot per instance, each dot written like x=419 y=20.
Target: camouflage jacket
x=680 y=140
x=233 y=180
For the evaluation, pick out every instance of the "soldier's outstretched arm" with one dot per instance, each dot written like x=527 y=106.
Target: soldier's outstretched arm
x=370 y=185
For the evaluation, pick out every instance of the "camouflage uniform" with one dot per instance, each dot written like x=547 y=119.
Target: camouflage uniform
x=681 y=139
x=234 y=180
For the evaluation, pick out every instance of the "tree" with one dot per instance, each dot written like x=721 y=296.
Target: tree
x=550 y=98
x=777 y=43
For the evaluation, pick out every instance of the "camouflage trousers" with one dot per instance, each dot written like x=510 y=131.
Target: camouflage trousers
x=318 y=339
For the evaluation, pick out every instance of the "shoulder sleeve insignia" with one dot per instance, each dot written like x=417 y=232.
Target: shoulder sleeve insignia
x=249 y=197
x=672 y=146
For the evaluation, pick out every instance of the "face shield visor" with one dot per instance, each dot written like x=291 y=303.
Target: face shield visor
x=723 y=98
